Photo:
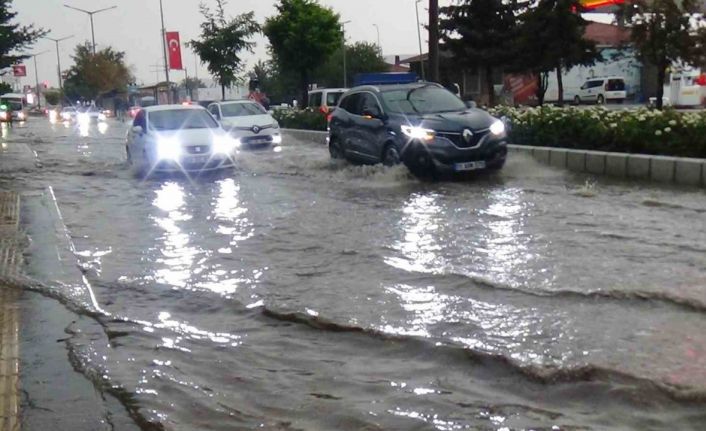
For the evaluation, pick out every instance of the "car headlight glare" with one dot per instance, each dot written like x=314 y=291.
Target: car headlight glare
x=420 y=133
x=84 y=118
x=277 y=139
x=224 y=144
x=21 y=115
x=101 y=117
x=497 y=128
x=168 y=149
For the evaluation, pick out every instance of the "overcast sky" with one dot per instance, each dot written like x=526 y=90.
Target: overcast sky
x=134 y=27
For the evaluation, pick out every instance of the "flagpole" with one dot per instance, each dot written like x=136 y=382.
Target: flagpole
x=164 y=51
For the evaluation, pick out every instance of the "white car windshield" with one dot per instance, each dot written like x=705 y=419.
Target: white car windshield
x=242 y=109
x=177 y=119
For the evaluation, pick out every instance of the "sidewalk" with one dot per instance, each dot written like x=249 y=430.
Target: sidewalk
x=10 y=260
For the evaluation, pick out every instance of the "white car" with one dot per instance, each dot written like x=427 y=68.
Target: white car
x=248 y=122
x=601 y=90
x=178 y=138
x=89 y=114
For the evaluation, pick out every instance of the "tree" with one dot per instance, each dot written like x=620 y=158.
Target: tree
x=5 y=88
x=14 y=37
x=302 y=37
x=551 y=39
x=665 y=32
x=222 y=41
x=191 y=84
x=361 y=57
x=94 y=75
x=480 y=33
x=279 y=85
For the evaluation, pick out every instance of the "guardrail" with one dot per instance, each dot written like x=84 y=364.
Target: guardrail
x=661 y=169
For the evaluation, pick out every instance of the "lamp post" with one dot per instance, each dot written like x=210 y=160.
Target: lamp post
x=345 y=75
x=36 y=78
x=419 y=36
x=378 y=31
x=91 y=13
x=434 y=40
x=58 y=60
x=164 y=51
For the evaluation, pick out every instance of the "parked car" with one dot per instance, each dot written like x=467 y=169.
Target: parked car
x=178 y=138
x=423 y=125
x=13 y=107
x=602 y=90
x=248 y=122
x=325 y=99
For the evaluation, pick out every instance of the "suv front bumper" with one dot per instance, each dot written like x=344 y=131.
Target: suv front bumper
x=442 y=156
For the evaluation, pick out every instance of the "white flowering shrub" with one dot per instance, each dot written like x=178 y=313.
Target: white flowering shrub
x=644 y=131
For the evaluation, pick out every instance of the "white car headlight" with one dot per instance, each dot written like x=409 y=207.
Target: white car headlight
x=101 y=117
x=418 y=133
x=168 y=149
x=21 y=115
x=224 y=144
x=497 y=128
x=276 y=139
x=83 y=118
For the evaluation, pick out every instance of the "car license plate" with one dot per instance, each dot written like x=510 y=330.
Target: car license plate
x=469 y=166
x=194 y=160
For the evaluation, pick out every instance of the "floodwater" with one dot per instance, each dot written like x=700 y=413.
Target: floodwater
x=295 y=293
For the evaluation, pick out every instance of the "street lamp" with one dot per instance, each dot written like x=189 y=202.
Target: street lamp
x=36 y=78
x=345 y=75
x=419 y=36
x=58 y=61
x=378 y=31
x=91 y=13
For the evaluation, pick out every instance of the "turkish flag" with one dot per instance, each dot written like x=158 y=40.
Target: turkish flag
x=19 y=70
x=174 y=50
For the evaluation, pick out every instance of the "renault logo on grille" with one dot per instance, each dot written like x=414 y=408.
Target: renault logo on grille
x=467 y=135
x=255 y=129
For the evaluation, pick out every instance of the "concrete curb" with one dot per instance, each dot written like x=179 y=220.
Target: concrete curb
x=661 y=169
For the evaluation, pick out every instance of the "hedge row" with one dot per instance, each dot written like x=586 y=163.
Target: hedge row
x=300 y=119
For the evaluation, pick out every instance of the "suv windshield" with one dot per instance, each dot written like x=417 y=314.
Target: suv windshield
x=181 y=119
x=422 y=100
x=242 y=109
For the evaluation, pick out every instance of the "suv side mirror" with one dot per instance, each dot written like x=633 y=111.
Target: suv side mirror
x=471 y=104
x=372 y=112
x=137 y=130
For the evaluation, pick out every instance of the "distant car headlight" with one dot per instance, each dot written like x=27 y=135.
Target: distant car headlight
x=66 y=116
x=168 y=149
x=276 y=139
x=21 y=115
x=497 y=128
x=101 y=117
x=420 y=133
x=224 y=144
x=3 y=115
x=83 y=118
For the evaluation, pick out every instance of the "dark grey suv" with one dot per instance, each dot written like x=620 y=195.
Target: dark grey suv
x=422 y=124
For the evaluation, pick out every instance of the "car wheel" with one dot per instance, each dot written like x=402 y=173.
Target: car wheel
x=334 y=149
x=577 y=100
x=600 y=100
x=390 y=155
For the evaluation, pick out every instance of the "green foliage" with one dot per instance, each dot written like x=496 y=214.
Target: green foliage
x=303 y=35
x=191 y=83
x=53 y=97
x=14 y=37
x=361 y=57
x=480 y=33
x=300 y=119
x=279 y=85
x=551 y=39
x=644 y=131
x=663 y=32
x=94 y=75
x=222 y=41
x=5 y=88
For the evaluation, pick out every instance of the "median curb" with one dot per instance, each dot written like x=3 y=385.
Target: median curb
x=661 y=169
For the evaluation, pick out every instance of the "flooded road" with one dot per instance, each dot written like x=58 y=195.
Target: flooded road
x=294 y=293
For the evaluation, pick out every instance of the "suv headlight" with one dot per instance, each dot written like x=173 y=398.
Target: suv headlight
x=497 y=128
x=224 y=144
x=168 y=149
x=420 y=133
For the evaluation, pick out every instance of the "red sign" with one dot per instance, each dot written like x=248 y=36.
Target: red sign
x=174 y=50
x=19 y=70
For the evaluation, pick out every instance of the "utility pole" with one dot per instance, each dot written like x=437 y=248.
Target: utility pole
x=434 y=40
x=419 y=36
x=58 y=60
x=36 y=78
x=164 y=51
x=378 y=31
x=91 y=13
x=345 y=74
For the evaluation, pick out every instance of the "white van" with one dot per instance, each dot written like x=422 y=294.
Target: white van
x=325 y=99
x=601 y=90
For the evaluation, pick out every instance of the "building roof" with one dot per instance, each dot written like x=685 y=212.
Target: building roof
x=607 y=34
